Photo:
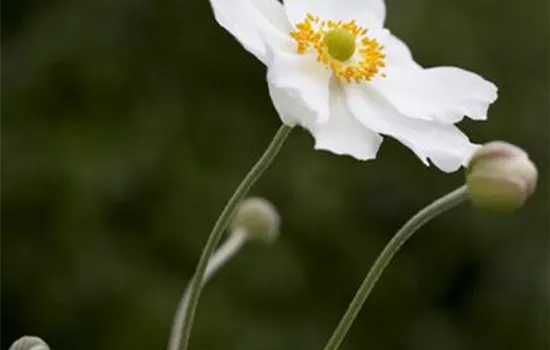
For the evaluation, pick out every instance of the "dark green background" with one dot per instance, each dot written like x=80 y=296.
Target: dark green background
x=128 y=123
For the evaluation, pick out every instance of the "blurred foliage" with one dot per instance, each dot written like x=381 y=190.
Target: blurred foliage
x=128 y=123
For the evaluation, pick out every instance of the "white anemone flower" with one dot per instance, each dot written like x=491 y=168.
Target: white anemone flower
x=335 y=70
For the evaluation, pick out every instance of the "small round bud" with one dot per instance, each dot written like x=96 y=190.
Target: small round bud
x=340 y=44
x=29 y=343
x=500 y=177
x=258 y=218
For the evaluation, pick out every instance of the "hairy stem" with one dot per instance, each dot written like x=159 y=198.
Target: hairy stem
x=436 y=208
x=223 y=220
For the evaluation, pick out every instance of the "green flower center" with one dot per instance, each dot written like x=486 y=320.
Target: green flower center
x=340 y=44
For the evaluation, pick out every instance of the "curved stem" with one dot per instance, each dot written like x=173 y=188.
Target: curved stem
x=225 y=252
x=222 y=222
x=431 y=211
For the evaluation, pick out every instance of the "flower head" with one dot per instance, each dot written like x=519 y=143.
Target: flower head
x=500 y=177
x=258 y=218
x=335 y=70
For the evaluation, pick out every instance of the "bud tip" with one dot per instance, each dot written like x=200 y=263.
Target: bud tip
x=29 y=343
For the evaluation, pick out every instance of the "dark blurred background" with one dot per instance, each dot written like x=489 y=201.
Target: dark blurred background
x=128 y=123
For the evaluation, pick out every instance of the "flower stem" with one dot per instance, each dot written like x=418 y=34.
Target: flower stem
x=225 y=252
x=441 y=205
x=222 y=222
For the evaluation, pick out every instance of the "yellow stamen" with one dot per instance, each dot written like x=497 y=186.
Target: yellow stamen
x=343 y=47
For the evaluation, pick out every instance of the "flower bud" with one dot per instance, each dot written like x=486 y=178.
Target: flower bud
x=29 y=343
x=500 y=177
x=258 y=218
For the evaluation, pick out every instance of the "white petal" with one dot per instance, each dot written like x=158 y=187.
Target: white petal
x=252 y=22
x=342 y=133
x=397 y=52
x=444 y=144
x=304 y=79
x=446 y=94
x=369 y=13
x=290 y=107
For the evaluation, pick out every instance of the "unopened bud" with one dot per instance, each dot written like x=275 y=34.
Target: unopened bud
x=258 y=218
x=500 y=177
x=29 y=343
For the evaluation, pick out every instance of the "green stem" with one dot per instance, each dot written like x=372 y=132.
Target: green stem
x=422 y=217
x=226 y=251
x=215 y=235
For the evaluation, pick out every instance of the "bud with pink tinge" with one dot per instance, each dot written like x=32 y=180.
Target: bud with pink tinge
x=500 y=177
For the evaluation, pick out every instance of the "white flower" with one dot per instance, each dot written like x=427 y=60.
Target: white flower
x=335 y=70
